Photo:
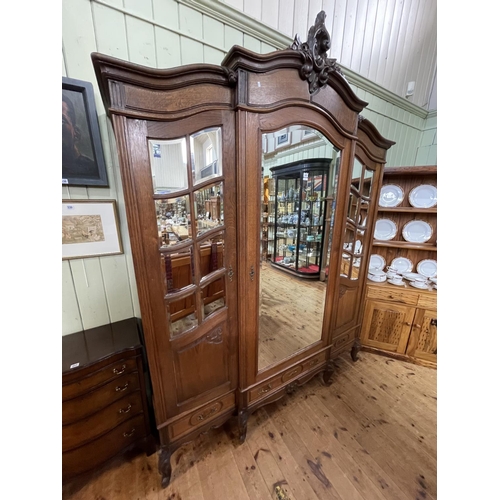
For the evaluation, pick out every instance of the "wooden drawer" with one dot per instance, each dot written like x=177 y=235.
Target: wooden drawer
x=427 y=301
x=343 y=339
x=283 y=379
x=88 y=429
x=201 y=416
x=93 y=401
x=110 y=372
x=96 y=452
x=392 y=294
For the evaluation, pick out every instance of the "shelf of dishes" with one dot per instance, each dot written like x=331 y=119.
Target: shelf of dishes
x=408 y=210
x=400 y=272
x=422 y=196
x=414 y=231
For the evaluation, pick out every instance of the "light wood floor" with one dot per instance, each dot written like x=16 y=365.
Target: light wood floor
x=291 y=314
x=371 y=435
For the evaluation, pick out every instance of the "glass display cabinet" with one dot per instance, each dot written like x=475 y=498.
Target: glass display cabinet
x=299 y=216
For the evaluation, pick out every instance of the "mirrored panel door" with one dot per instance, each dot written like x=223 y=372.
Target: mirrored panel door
x=298 y=193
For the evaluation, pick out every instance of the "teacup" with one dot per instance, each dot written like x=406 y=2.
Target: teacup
x=395 y=278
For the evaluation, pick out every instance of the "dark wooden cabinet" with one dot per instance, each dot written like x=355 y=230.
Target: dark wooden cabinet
x=224 y=332
x=104 y=397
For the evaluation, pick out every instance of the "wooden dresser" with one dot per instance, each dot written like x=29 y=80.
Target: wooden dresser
x=402 y=322
x=104 y=401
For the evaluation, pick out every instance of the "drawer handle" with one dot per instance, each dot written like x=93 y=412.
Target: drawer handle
x=117 y=371
x=208 y=413
x=263 y=390
x=119 y=389
x=125 y=410
x=294 y=372
x=314 y=362
x=128 y=434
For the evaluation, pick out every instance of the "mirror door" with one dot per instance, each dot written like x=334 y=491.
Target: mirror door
x=298 y=194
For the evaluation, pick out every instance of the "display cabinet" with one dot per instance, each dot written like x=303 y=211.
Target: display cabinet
x=216 y=313
x=400 y=320
x=299 y=216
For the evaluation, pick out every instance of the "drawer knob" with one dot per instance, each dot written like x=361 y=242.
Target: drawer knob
x=263 y=390
x=125 y=410
x=314 y=362
x=119 y=389
x=119 y=371
x=208 y=413
x=128 y=434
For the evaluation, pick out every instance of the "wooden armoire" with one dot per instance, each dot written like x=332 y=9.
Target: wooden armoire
x=224 y=332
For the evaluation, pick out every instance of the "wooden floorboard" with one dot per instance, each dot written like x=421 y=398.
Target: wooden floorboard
x=371 y=435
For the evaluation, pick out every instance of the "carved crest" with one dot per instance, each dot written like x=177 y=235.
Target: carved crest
x=317 y=66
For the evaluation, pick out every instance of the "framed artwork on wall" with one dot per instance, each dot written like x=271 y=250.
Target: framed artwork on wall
x=90 y=229
x=82 y=154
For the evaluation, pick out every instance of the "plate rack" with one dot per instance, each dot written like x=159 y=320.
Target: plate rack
x=407 y=178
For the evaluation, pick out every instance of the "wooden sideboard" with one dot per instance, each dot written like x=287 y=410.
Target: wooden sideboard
x=104 y=400
x=401 y=322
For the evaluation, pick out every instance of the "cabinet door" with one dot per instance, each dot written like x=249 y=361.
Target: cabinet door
x=386 y=326
x=423 y=338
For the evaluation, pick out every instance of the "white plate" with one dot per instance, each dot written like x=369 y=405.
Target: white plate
x=412 y=276
x=402 y=265
x=385 y=229
x=434 y=280
x=397 y=283
x=424 y=196
x=418 y=284
x=376 y=272
x=427 y=268
x=390 y=196
x=417 y=231
x=377 y=262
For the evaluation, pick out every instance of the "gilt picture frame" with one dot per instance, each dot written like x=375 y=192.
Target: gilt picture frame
x=90 y=228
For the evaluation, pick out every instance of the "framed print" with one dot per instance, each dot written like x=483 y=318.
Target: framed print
x=90 y=229
x=82 y=154
x=283 y=139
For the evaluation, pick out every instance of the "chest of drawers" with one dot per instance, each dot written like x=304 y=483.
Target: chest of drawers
x=105 y=407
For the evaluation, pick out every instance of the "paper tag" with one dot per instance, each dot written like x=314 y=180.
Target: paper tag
x=65 y=181
x=305 y=176
x=75 y=365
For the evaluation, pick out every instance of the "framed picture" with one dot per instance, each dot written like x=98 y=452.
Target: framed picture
x=90 y=229
x=82 y=154
x=283 y=139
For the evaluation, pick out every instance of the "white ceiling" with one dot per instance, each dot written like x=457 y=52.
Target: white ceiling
x=390 y=42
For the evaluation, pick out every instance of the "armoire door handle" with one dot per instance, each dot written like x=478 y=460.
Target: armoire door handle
x=252 y=273
x=230 y=273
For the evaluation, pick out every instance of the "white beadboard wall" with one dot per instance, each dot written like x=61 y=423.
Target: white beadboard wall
x=168 y=33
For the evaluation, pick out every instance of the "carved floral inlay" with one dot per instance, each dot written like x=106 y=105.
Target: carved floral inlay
x=317 y=66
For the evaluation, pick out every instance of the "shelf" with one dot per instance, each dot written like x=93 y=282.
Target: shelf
x=408 y=210
x=404 y=244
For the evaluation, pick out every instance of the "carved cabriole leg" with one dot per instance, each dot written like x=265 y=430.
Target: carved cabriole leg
x=164 y=465
x=242 y=424
x=328 y=373
x=355 y=349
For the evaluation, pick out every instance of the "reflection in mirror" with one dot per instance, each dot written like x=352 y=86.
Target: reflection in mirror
x=206 y=154
x=168 y=161
x=181 y=315
x=173 y=220
x=299 y=192
x=213 y=296
x=357 y=217
x=211 y=255
x=209 y=208
x=179 y=269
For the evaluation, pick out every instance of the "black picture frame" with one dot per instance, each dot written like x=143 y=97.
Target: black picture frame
x=82 y=153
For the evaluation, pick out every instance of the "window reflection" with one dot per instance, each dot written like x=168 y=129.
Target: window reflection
x=213 y=296
x=168 y=161
x=206 y=157
x=182 y=315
